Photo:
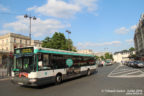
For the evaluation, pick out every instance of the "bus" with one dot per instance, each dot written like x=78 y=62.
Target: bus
x=36 y=66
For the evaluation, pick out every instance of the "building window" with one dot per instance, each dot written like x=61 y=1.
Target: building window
x=20 y=41
x=25 y=41
x=15 y=46
x=7 y=41
x=14 y=40
x=21 y=46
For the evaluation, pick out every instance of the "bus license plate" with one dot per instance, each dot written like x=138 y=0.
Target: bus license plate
x=20 y=83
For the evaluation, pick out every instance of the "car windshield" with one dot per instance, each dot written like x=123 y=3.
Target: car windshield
x=24 y=64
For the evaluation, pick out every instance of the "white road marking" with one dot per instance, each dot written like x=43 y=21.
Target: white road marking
x=126 y=76
x=125 y=73
x=134 y=72
x=113 y=70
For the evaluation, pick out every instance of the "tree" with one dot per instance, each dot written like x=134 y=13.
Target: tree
x=102 y=57
x=46 y=42
x=131 y=49
x=108 y=56
x=58 y=41
x=74 y=49
x=97 y=57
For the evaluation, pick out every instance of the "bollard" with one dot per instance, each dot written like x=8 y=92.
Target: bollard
x=2 y=74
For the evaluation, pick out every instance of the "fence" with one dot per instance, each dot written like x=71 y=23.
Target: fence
x=5 y=68
x=3 y=73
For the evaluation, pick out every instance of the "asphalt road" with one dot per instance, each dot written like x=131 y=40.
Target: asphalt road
x=112 y=80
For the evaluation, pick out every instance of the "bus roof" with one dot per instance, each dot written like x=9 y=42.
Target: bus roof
x=56 y=51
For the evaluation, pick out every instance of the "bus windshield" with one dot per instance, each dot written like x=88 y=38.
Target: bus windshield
x=24 y=64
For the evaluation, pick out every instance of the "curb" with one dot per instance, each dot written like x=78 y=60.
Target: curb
x=4 y=79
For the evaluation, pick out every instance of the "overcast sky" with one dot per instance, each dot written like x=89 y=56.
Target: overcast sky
x=100 y=25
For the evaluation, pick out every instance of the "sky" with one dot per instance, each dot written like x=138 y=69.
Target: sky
x=100 y=25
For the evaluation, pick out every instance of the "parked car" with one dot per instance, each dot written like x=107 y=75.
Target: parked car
x=130 y=63
x=125 y=63
x=138 y=64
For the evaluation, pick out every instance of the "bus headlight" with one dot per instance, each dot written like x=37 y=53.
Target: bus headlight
x=32 y=80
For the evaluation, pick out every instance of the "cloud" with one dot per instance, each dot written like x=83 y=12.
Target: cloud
x=91 y=5
x=129 y=41
x=122 y=30
x=133 y=27
x=2 y=8
x=92 y=44
x=2 y=32
x=39 y=27
x=63 y=9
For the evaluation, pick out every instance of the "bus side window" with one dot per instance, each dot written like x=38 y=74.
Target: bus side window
x=58 y=61
x=44 y=62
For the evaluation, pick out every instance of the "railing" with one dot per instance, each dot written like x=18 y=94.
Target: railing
x=3 y=73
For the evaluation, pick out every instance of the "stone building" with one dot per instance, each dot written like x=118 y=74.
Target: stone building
x=10 y=41
x=121 y=56
x=86 y=51
x=139 y=38
x=99 y=54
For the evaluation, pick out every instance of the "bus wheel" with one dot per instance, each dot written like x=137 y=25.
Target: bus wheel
x=58 y=79
x=88 y=72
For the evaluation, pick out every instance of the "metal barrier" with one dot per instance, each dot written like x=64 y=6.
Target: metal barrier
x=3 y=73
x=5 y=68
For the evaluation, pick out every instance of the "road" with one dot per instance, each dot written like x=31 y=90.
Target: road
x=112 y=80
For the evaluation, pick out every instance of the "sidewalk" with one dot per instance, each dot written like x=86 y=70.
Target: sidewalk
x=2 y=79
x=3 y=74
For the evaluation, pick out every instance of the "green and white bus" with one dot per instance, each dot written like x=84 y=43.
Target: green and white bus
x=35 y=66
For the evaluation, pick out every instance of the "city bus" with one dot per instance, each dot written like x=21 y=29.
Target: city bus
x=35 y=66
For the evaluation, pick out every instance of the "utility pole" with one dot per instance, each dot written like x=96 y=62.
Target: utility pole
x=30 y=17
x=69 y=32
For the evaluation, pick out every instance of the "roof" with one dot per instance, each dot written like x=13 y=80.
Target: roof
x=56 y=51
x=122 y=52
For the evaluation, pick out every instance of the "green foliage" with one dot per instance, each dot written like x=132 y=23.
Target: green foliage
x=132 y=49
x=108 y=56
x=58 y=41
x=102 y=57
x=97 y=57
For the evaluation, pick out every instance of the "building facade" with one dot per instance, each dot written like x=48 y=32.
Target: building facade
x=139 y=38
x=99 y=54
x=11 y=40
x=122 y=56
x=86 y=51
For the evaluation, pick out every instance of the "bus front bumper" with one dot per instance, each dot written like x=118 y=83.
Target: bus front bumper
x=24 y=81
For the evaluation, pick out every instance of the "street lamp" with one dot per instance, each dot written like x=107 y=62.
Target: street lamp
x=30 y=17
x=105 y=49
x=69 y=32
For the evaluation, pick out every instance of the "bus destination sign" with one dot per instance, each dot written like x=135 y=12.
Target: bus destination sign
x=24 y=50
x=28 y=50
